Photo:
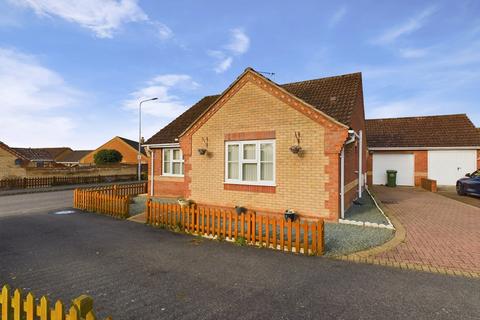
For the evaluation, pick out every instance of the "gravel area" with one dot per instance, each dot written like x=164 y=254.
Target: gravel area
x=364 y=209
x=341 y=239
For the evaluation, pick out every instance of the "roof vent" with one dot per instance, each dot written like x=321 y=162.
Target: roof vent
x=333 y=99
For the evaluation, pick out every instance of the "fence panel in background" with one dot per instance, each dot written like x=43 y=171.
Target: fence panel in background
x=271 y=232
x=45 y=182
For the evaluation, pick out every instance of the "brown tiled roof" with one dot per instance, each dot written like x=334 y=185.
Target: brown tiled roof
x=56 y=152
x=334 y=96
x=454 y=130
x=73 y=156
x=34 y=154
x=133 y=144
x=170 y=132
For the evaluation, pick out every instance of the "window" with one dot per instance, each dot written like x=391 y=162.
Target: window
x=172 y=162
x=250 y=162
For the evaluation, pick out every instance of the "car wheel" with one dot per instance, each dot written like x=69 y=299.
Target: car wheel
x=460 y=190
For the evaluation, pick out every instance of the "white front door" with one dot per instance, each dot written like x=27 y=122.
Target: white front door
x=403 y=163
x=447 y=166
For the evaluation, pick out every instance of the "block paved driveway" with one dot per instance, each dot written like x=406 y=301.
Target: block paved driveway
x=137 y=272
x=440 y=232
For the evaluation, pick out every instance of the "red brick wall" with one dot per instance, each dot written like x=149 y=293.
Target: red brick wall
x=351 y=153
x=164 y=186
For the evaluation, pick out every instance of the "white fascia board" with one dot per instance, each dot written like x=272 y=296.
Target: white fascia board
x=162 y=145
x=421 y=148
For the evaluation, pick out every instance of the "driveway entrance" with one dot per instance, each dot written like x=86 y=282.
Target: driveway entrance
x=440 y=232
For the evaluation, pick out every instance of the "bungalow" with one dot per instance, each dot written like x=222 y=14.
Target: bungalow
x=128 y=148
x=442 y=148
x=267 y=147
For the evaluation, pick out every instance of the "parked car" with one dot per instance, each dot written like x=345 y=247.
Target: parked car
x=470 y=184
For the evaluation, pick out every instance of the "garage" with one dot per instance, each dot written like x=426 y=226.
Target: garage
x=402 y=163
x=447 y=166
x=442 y=148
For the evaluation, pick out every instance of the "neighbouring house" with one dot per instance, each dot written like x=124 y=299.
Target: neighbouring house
x=267 y=147
x=72 y=158
x=128 y=148
x=442 y=148
x=37 y=157
x=11 y=162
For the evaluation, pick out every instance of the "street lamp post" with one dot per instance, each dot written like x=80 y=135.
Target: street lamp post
x=139 y=156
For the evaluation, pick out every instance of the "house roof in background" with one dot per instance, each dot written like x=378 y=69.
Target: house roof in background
x=12 y=151
x=35 y=154
x=334 y=96
x=56 y=151
x=73 y=157
x=133 y=144
x=454 y=130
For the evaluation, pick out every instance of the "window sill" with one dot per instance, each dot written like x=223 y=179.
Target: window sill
x=173 y=175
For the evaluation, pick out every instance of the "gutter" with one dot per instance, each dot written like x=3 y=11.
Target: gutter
x=161 y=145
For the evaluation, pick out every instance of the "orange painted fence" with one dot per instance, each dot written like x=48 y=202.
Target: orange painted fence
x=130 y=189
x=115 y=206
x=112 y=200
x=276 y=233
x=45 y=182
x=15 y=307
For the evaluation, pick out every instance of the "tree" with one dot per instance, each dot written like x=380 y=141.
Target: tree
x=107 y=156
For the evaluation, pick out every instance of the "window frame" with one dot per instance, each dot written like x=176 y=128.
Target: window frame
x=257 y=161
x=171 y=162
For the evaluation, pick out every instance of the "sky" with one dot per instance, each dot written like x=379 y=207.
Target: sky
x=72 y=72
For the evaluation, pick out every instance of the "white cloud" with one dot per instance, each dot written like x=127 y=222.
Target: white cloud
x=408 y=27
x=239 y=42
x=103 y=17
x=238 y=45
x=162 y=87
x=337 y=16
x=413 y=53
x=31 y=100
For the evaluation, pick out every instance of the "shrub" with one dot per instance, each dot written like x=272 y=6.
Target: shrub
x=107 y=156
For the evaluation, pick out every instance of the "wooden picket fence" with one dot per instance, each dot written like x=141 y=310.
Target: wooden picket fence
x=15 y=307
x=45 y=182
x=270 y=232
x=130 y=189
x=113 y=200
x=115 y=206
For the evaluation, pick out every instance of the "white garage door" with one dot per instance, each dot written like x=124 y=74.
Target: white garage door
x=403 y=163
x=447 y=166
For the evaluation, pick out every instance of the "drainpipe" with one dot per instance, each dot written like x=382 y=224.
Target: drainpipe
x=360 y=167
x=152 y=176
x=342 y=183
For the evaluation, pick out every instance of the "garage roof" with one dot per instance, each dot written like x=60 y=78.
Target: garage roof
x=454 y=130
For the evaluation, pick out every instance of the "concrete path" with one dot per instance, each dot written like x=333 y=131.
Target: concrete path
x=440 y=232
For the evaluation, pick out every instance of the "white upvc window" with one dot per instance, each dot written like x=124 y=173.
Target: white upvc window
x=250 y=162
x=172 y=162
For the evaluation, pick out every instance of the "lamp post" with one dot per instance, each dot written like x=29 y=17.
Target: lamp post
x=139 y=156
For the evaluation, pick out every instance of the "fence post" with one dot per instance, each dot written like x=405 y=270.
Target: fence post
x=320 y=241
x=84 y=305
